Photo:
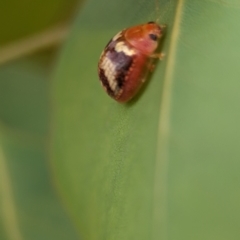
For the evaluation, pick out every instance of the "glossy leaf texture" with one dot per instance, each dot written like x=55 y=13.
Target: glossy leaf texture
x=165 y=166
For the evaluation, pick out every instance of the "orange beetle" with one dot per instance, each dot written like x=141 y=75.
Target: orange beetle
x=128 y=58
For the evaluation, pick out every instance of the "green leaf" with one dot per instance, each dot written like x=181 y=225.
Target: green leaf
x=29 y=206
x=165 y=166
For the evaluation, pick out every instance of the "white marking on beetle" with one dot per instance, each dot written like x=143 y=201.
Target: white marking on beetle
x=110 y=72
x=117 y=36
x=122 y=47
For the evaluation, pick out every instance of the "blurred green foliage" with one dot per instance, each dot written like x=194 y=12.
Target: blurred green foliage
x=22 y=18
x=24 y=128
x=29 y=204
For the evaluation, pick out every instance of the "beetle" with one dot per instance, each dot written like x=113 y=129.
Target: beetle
x=128 y=58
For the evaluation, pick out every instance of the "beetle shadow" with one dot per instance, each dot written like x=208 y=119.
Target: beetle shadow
x=149 y=75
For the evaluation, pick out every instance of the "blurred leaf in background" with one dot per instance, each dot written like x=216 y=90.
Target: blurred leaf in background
x=25 y=17
x=29 y=205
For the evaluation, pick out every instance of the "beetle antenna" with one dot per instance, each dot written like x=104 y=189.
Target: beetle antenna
x=157 y=11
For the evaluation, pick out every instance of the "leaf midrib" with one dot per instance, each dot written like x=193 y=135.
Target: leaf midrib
x=161 y=167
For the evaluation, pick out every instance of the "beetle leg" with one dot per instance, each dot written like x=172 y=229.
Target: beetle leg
x=158 y=55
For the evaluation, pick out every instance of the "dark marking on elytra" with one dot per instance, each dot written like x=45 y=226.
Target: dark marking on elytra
x=120 y=60
x=122 y=63
x=120 y=78
x=122 y=68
